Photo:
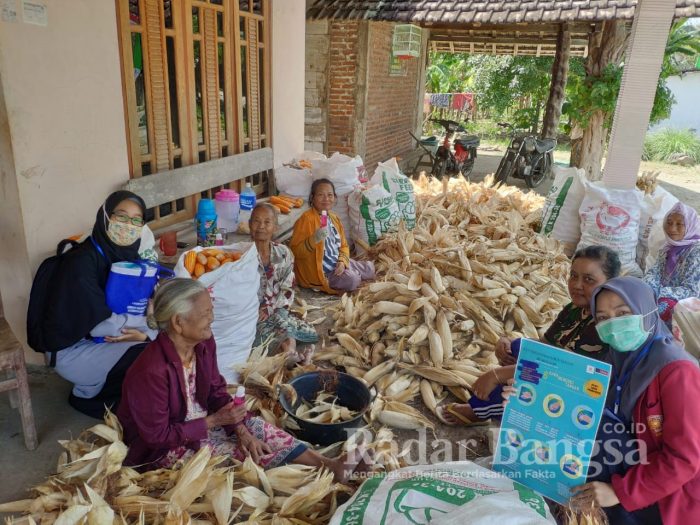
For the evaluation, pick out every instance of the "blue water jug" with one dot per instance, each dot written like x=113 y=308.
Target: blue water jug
x=205 y=222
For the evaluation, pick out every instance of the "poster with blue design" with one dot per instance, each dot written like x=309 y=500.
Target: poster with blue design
x=549 y=425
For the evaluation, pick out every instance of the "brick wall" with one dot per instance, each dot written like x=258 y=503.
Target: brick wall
x=392 y=101
x=365 y=111
x=342 y=83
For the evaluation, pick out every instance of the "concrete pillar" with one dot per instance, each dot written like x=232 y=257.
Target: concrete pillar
x=645 y=52
x=288 y=42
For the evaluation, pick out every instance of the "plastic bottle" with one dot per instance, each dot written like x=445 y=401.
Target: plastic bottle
x=239 y=398
x=227 y=204
x=205 y=222
x=324 y=219
x=219 y=240
x=247 y=203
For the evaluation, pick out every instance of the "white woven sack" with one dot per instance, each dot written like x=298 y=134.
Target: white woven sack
x=610 y=217
x=233 y=289
x=560 y=214
x=651 y=226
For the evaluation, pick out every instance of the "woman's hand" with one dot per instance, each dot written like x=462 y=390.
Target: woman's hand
x=228 y=414
x=483 y=386
x=320 y=234
x=508 y=390
x=129 y=334
x=339 y=269
x=503 y=354
x=591 y=494
x=252 y=445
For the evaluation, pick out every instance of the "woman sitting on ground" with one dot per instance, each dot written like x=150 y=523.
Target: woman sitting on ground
x=572 y=330
x=322 y=255
x=276 y=292
x=95 y=346
x=655 y=406
x=175 y=400
x=676 y=274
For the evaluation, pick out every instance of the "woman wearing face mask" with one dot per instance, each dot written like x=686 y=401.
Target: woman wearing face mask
x=651 y=402
x=676 y=275
x=96 y=345
x=321 y=252
x=572 y=330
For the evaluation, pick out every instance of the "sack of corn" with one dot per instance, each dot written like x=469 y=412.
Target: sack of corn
x=560 y=213
x=610 y=217
x=389 y=176
x=449 y=493
x=373 y=213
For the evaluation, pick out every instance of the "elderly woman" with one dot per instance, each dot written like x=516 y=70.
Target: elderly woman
x=321 y=251
x=573 y=330
x=276 y=292
x=175 y=400
x=93 y=346
x=676 y=275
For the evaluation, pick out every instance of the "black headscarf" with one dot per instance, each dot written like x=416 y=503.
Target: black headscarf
x=640 y=298
x=76 y=300
x=99 y=231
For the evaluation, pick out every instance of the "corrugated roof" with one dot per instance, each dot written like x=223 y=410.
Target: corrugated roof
x=498 y=12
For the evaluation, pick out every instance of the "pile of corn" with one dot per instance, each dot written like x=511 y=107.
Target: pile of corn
x=93 y=487
x=473 y=270
x=648 y=181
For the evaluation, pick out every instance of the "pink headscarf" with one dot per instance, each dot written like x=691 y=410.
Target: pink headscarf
x=692 y=235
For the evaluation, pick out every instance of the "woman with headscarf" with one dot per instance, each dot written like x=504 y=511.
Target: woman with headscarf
x=94 y=346
x=676 y=275
x=647 y=465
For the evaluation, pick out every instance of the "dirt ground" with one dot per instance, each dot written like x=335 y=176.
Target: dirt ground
x=682 y=182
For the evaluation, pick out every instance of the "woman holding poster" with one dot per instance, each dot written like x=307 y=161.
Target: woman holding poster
x=652 y=401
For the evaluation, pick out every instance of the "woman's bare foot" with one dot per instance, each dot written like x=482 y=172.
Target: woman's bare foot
x=457 y=414
x=306 y=354
x=288 y=347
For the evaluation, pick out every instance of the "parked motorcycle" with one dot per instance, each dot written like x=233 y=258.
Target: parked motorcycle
x=460 y=159
x=527 y=157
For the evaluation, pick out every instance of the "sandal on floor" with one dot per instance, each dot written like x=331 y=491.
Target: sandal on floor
x=466 y=422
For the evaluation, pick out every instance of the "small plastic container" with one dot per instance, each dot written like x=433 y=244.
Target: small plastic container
x=247 y=203
x=324 y=219
x=227 y=204
x=205 y=222
x=239 y=398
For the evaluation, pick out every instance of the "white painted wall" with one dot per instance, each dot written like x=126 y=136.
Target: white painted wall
x=288 y=41
x=64 y=130
x=685 y=113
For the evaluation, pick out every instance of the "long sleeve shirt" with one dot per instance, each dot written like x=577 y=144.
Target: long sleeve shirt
x=684 y=282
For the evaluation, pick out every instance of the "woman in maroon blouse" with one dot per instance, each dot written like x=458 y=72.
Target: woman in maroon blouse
x=175 y=400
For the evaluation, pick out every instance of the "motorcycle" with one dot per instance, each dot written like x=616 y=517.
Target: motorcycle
x=527 y=158
x=447 y=161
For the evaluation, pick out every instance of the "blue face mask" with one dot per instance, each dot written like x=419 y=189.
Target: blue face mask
x=624 y=334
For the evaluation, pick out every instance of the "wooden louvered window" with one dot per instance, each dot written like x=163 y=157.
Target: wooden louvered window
x=196 y=82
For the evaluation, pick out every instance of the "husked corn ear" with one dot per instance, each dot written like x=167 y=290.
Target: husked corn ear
x=388 y=307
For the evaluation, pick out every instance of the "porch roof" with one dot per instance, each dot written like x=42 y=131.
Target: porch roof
x=495 y=12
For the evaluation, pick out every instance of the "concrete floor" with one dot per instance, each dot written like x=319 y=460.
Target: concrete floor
x=55 y=419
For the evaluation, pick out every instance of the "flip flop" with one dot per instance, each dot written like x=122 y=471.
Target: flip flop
x=466 y=422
